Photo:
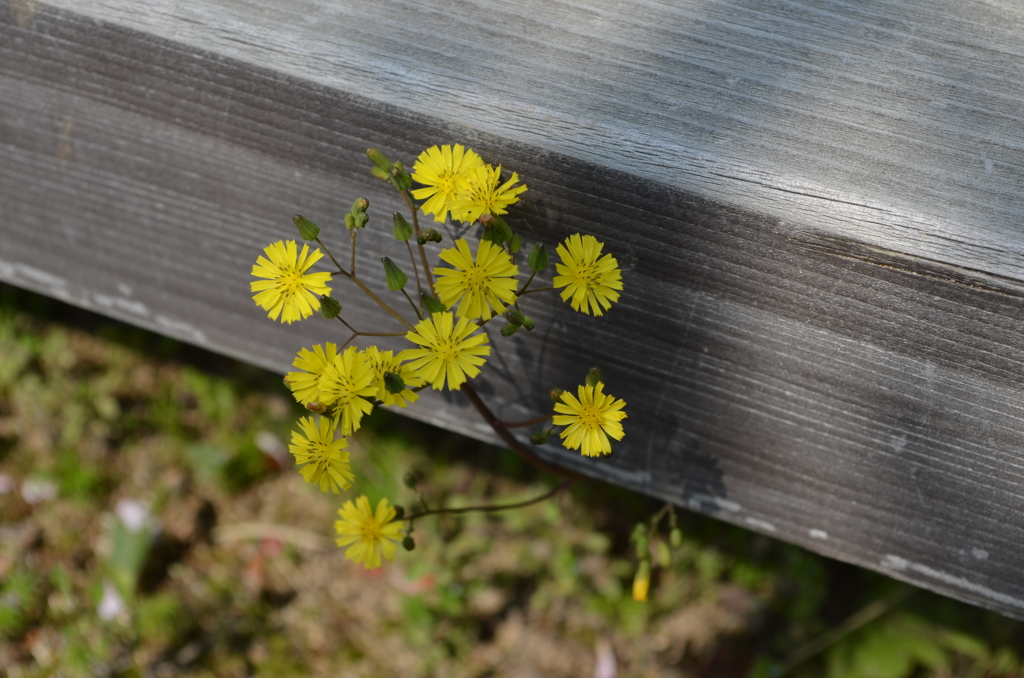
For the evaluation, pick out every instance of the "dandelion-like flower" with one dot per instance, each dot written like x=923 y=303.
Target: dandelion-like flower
x=305 y=385
x=477 y=287
x=590 y=280
x=288 y=292
x=444 y=172
x=346 y=384
x=450 y=351
x=481 y=194
x=325 y=459
x=386 y=361
x=589 y=420
x=368 y=534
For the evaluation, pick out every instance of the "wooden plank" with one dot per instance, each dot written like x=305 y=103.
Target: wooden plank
x=816 y=206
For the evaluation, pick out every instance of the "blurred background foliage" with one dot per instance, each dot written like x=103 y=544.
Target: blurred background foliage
x=152 y=524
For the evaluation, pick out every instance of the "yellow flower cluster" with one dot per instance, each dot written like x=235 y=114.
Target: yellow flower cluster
x=447 y=345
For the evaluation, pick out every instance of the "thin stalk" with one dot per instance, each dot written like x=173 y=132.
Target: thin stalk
x=539 y=289
x=495 y=507
x=415 y=308
x=415 y=274
x=506 y=436
x=416 y=229
x=380 y=302
x=527 y=284
x=353 y=235
x=531 y=422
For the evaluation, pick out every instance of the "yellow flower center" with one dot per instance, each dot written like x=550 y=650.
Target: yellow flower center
x=591 y=417
x=371 y=530
x=290 y=280
x=476 y=278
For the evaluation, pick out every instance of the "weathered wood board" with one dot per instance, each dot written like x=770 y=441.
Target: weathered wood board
x=818 y=206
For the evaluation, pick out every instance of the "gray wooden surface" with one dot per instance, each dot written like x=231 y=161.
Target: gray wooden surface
x=818 y=207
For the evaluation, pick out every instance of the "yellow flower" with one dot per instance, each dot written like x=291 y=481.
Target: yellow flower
x=305 y=385
x=450 y=351
x=642 y=580
x=347 y=382
x=482 y=195
x=325 y=459
x=443 y=171
x=289 y=291
x=478 y=286
x=590 y=420
x=372 y=534
x=590 y=279
x=386 y=361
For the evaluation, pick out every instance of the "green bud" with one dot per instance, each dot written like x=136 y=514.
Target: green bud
x=393 y=276
x=393 y=383
x=516 y=243
x=675 y=537
x=492 y=235
x=360 y=205
x=502 y=229
x=556 y=394
x=317 y=407
x=515 y=316
x=539 y=438
x=663 y=553
x=359 y=219
x=538 y=258
x=486 y=220
x=399 y=512
x=642 y=545
x=509 y=330
x=433 y=304
x=381 y=174
x=595 y=376
x=350 y=221
x=330 y=308
x=400 y=177
x=430 y=235
x=409 y=543
x=528 y=323
x=410 y=480
x=403 y=230
x=379 y=159
x=307 y=229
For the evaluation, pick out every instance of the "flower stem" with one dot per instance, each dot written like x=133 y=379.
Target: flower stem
x=522 y=424
x=539 y=289
x=416 y=229
x=495 y=507
x=415 y=274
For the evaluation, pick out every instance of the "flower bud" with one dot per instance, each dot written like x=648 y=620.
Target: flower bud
x=675 y=537
x=491 y=235
x=595 y=376
x=359 y=219
x=400 y=177
x=409 y=543
x=642 y=545
x=502 y=229
x=509 y=330
x=393 y=383
x=393 y=276
x=379 y=159
x=516 y=243
x=556 y=394
x=528 y=323
x=539 y=438
x=486 y=220
x=515 y=316
x=399 y=512
x=664 y=554
x=430 y=235
x=330 y=308
x=642 y=580
x=381 y=174
x=317 y=407
x=350 y=221
x=410 y=480
x=433 y=304
x=403 y=230
x=538 y=258
x=360 y=205
x=307 y=229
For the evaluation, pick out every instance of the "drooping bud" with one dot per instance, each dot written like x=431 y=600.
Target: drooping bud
x=664 y=554
x=317 y=407
x=410 y=480
x=403 y=230
x=409 y=543
x=556 y=394
x=502 y=229
x=393 y=383
x=539 y=438
x=381 y=174
x=393 y=276
x=640 y=540
x=675 y=537
x=432 y=304
x=642 y=580
x=399 y=512
x=538 y=258
x=509 y=329
x=595 y=376
x=515 y=316
x=516 y=243
x=528 y=323
x=307 y=229
x=360 y=205
x=379 y=159
x=430 y=235
x=359 y=219
x=400 y=177
x=330 y=307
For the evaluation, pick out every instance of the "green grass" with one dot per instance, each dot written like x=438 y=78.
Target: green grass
x=242 y=578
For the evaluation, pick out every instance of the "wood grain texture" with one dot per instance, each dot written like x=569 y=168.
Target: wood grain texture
x=817 y=206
